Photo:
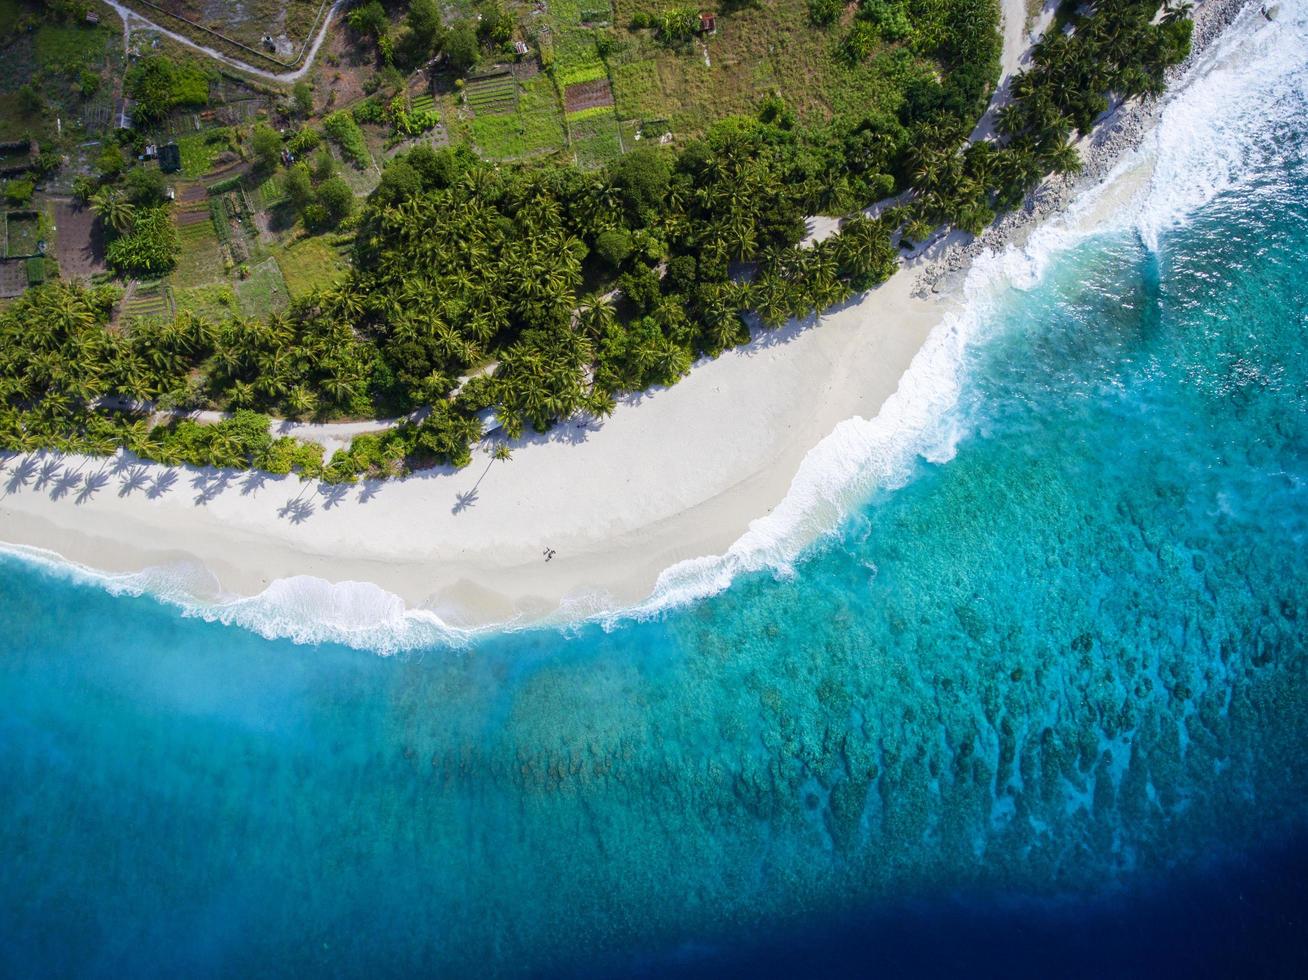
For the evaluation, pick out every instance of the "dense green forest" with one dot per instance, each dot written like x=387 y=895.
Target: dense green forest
x=552 y=289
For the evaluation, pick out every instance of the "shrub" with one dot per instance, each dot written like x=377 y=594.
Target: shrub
x=824 y=12
x=267 y=145
x=303 y=96
x=337 y=198
x=641 y=287
x=342 y=128
x=461 y=47
x=88 y=83
x=613 y=246
x=304 y=141
x=18 y=192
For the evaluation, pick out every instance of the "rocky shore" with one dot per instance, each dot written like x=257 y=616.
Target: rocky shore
x=1122 y=130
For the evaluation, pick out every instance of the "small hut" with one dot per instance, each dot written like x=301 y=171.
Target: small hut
x=170 y=158
x=708 y=24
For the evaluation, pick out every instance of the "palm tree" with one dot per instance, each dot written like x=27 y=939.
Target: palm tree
x=112 y=209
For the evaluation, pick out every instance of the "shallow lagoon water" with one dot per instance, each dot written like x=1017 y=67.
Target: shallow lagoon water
x=1042 y=710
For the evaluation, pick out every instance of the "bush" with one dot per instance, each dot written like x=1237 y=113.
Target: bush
x=342 y=128
x=337 y=198
x=303 y=96
x=144 y=186
x=298 y=186
x=370 y=110
x=369 y=19
x=18 y=192
x=109 y=161
x=677 y=25
x=88 y=83
x=824 y=12
x=641 y=287
x=613 y=246
x=267 y=145
x=305 y=141
x=461 y=47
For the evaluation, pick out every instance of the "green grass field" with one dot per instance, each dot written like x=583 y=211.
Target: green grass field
x=216 y=301
x=309 y=264
x=595 y=138
x=67 y=48
x=264 y=291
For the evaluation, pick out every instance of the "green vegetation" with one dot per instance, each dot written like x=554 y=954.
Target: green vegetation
x=199 y=150
x=147 y=246
x=159 y=84
x=311 y=263
x=347 y=135
x=22 y=232
x=582 y=275
x=69 y=48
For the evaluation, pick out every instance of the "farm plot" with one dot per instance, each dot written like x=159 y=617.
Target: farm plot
x=200 y=150
x=311 y=263
x=201 y=259
x=13 y=277
x=490 y=95
x=588 y=95
x=149 y=300
x=22 y=232
x=214 y=302
x=595 y=137
x=535 y=128
x=271 y=193
x=79 y=241
x=636 y=89
x=264 y=291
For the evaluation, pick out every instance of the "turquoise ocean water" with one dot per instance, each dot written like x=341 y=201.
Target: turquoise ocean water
x=1058 y=671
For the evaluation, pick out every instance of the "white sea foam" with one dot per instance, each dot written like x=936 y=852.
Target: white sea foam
x=1212 y=125
x=1216 y=130
x=303 y=608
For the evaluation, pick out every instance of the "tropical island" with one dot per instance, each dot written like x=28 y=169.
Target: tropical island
x=484 y=216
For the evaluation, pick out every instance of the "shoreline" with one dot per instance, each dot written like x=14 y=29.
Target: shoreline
x=674 y=476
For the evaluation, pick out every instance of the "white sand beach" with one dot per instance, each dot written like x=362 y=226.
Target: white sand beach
x=674 y=474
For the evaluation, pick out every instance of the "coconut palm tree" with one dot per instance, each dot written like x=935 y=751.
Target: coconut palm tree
x=110 y=207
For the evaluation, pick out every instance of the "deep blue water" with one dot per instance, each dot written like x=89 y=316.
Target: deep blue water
x=1039 y=712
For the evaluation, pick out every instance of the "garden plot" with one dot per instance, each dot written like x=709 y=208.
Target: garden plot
x=148 y=300
x=264 y=291
x=13 y=277
x=595 y=137
x=22 y=232
x=79 y=241
x=492 y=94
x=535 y=128
x=588 y=95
